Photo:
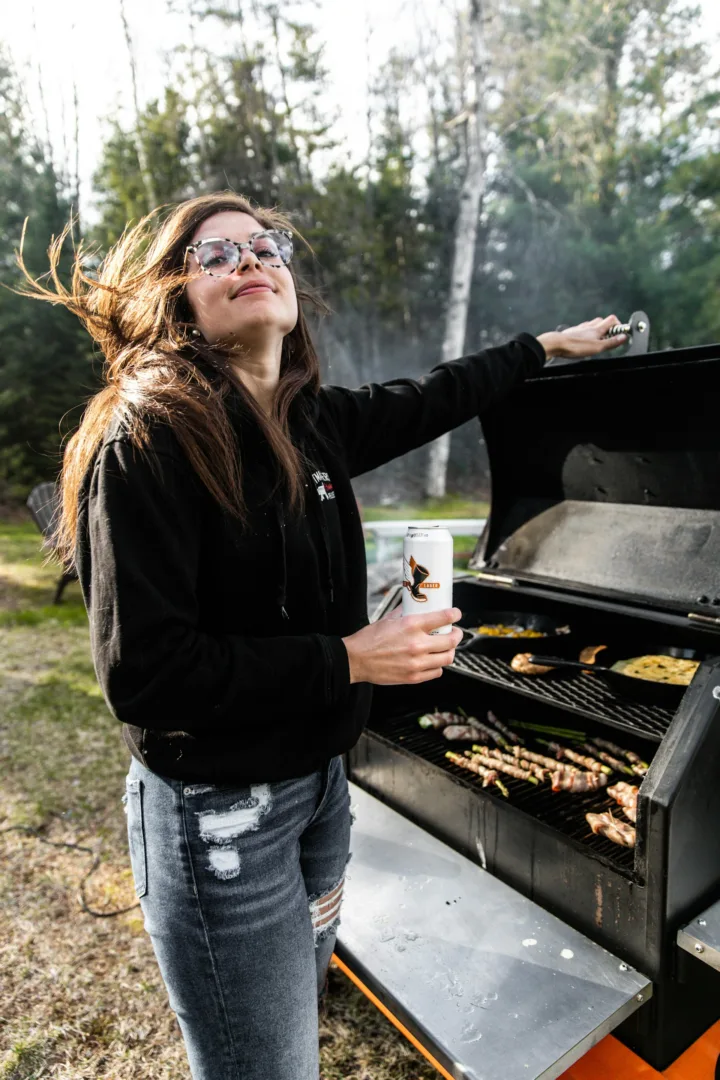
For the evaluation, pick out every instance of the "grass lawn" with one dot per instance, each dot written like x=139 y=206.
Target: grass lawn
x=452 y=506
x=82 y=997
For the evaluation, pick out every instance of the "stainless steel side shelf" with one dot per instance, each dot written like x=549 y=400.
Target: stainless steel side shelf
x=490 y=983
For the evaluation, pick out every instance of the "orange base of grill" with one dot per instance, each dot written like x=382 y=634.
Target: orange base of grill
x=609 y=1060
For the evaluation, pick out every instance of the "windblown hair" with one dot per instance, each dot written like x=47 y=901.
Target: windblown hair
x=137 y=312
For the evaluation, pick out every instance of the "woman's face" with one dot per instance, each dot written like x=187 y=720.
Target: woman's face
x=255 y=306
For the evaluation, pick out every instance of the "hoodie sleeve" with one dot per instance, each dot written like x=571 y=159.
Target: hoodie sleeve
x=382 y=421
x=138 y=559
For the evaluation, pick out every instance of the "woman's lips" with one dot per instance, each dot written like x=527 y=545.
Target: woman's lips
x=252 y=289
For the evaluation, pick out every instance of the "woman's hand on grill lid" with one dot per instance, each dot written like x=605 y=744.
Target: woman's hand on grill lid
x=586 y=339
x=401 y=649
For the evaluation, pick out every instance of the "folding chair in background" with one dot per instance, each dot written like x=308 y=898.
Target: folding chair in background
x=43 y=504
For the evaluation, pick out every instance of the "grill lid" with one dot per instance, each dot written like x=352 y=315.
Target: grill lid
x=606 y=479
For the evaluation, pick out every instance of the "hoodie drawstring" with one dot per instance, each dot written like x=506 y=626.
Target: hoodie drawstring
x=326 y=549
x=282 y=587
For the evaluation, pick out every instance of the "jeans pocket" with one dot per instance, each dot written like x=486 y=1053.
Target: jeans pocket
x=136 y=834
x=328 y=776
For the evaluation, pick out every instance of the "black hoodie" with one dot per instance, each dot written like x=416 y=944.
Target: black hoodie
x=218 y=646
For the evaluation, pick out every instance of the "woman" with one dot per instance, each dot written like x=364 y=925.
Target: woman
x=207 y=505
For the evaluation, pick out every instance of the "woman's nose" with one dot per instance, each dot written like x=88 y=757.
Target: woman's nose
x=248 y=259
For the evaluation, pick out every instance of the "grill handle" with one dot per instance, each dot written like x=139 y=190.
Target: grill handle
x=637 y=328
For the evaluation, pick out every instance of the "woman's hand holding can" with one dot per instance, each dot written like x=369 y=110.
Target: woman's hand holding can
x=403 y=649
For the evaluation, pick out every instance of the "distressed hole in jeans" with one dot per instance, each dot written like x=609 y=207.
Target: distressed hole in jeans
x=243 y=816
x=224 y=862
x=325 y=912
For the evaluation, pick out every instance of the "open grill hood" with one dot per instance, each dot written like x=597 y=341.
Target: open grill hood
x=606 y=481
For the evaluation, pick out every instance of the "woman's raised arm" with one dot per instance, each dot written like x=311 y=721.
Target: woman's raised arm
x=382 y=421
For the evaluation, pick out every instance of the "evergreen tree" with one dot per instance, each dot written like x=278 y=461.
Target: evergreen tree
x=45 y=369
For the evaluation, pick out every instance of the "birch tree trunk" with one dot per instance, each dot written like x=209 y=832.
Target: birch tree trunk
x=145 y=173
x=466 y=228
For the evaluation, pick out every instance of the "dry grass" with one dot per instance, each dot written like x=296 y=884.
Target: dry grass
x=82 y=997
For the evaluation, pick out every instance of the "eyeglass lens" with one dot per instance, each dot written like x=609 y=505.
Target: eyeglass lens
x=221 y=257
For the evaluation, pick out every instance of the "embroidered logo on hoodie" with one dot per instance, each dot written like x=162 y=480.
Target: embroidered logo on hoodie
x=323 y=485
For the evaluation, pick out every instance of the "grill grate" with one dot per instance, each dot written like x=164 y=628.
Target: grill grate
x=577 y=693
x=560 y=810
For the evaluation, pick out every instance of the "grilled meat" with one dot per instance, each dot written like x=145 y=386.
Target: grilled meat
x=487 y=732
x=547 y=762
x=489 y=776
x=440 y=720
x=519 y=762
x=614 y=763
x=579 y=759
x=521 y=663
x=461 y=732
x=509 y=735
x=629 y=755
x=578 y=782
x=608 y=826
x=503 y=767
x=625 y=794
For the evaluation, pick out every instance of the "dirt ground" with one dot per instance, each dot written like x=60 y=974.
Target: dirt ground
x=81 y=996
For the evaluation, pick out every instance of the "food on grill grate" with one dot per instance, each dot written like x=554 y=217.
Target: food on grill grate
x=521 y=663
x=439 y=720
x=625 y=795
x=578 y=781
x=461 y=732
x=502 y=766
x=613 y=762
x=530 y=766
x=502 y=728
x=489 y=776
x=639 y=767
x=500 y=630
x=552 y=729
x=547 y=762
x=579 y=759
x=608 y=826
x=663 y=669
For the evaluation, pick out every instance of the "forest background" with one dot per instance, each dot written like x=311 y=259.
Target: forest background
x=599 y=194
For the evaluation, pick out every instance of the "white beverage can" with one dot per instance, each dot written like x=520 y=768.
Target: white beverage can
x=427 y=571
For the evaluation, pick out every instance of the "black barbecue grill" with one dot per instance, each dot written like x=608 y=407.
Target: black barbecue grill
x=605 y=515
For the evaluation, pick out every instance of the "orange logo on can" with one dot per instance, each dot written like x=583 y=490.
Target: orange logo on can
x=417 y=580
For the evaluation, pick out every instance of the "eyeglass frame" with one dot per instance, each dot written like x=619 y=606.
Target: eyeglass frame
x=192 y=249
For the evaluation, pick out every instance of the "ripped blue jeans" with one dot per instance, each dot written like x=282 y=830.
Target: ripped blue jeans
x=241 y=888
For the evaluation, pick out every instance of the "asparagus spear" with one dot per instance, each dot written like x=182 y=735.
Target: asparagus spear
x=483 y=729
x=619 y=766
x=579 y=759
x=510 y=735
x=629 y=755
x=489 y=776
x=549 y=729
x=548 y=763
x=501 y=766
x=518 y=760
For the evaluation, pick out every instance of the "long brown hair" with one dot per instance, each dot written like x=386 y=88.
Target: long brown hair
x=137 y=312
